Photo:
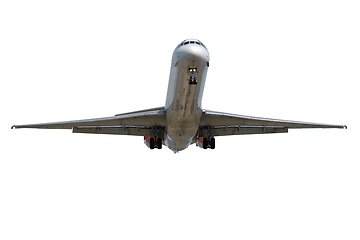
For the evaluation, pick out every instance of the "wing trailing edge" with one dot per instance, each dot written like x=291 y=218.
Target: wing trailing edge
x=139 y=123
x=222 y=124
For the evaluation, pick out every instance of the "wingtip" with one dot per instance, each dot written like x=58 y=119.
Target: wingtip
x=13 y=127
x=345 y=127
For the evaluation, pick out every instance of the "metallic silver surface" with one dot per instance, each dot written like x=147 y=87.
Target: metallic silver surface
x=183 y=101
x=182 y=121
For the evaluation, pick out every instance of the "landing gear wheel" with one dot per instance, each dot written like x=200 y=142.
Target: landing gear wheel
x=152 y=143
x=159 y=143
x=205 y=143
x=192 y=81
x=212 y=143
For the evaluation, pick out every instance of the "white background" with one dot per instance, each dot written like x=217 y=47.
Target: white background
x=69 y=60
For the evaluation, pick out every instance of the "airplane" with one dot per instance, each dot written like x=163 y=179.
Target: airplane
x=182 y=121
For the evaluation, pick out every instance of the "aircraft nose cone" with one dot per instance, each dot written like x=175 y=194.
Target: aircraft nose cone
x=192 y=54
x=195 y=53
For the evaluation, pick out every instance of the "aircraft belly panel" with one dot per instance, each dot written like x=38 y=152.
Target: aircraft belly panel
x=184 y=106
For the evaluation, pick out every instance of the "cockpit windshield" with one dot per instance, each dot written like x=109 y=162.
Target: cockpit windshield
x=186 y=42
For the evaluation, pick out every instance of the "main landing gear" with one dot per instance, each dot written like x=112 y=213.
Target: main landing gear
x=155 y=143
x=209 y=144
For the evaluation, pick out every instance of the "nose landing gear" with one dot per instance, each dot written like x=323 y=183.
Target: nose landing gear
x=192 y=80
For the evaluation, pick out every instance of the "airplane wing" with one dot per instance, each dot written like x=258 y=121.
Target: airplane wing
x=222 y=124
x=139 y=123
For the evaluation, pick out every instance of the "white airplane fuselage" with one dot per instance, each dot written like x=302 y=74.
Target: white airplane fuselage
x=186 y=86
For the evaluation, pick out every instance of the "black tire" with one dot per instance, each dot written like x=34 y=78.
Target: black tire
x=152 y=143
x=205 y=143
x=212 y=143
x=159 y=143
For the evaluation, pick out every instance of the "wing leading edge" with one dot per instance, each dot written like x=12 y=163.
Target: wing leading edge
x=139 y=123
x=222 y=124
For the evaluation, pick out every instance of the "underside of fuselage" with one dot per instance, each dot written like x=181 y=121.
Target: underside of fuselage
x=183 y=103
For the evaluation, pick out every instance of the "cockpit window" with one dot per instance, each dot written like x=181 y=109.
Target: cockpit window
x=186 y=42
